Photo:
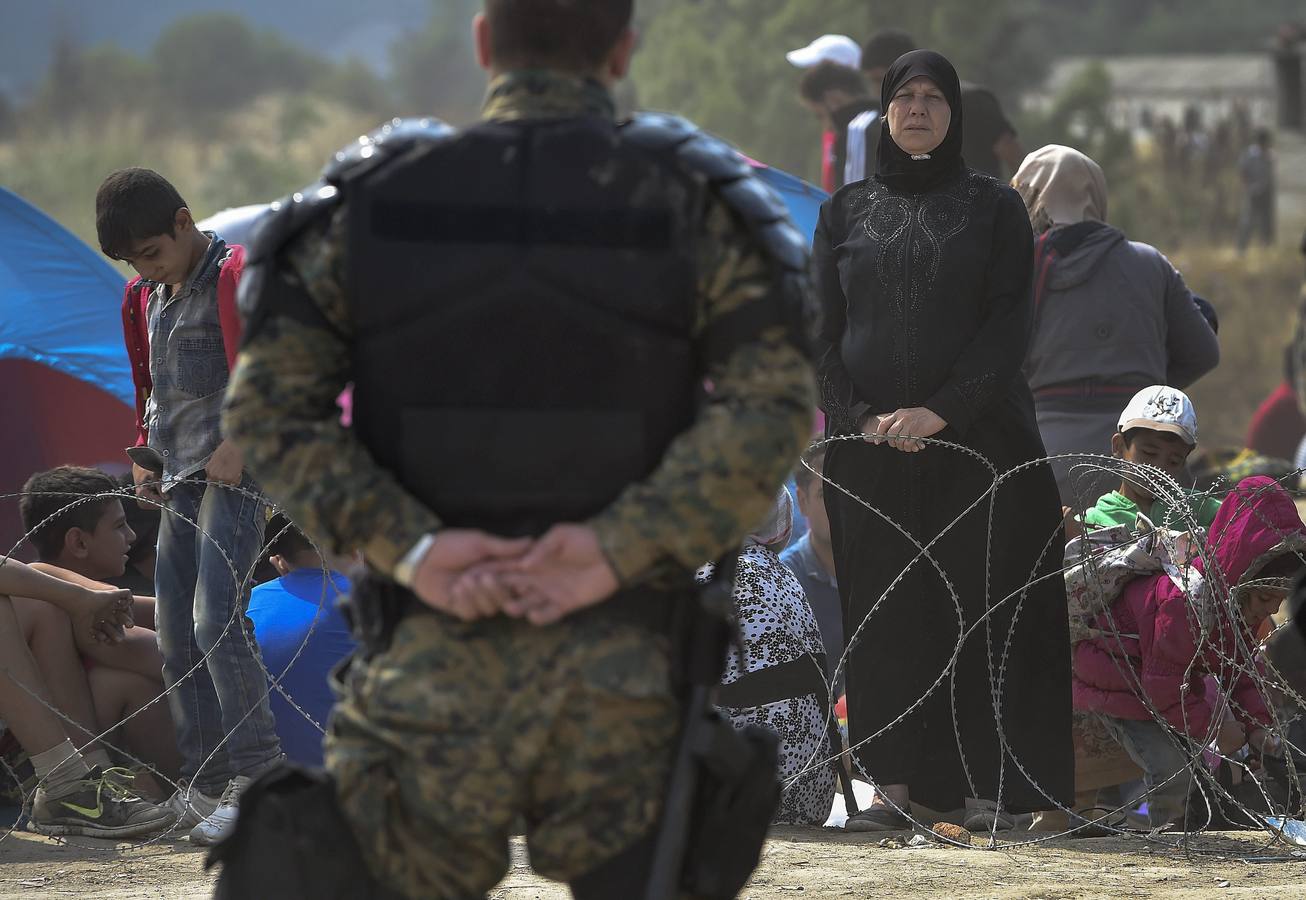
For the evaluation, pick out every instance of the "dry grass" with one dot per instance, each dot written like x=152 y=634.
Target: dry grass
x=1257 y=297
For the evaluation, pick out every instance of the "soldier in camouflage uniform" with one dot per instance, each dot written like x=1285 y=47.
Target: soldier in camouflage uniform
x=530 y=311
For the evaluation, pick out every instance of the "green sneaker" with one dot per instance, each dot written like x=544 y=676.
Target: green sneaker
x=101 y=806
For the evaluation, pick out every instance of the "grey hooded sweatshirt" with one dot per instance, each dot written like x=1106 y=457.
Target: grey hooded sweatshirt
x=1113 y=311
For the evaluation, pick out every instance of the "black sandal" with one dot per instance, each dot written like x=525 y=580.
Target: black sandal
x=1086 y=824
x=877 y=818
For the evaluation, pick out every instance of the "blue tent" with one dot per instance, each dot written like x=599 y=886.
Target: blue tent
x=60 y=301
x=804 y=200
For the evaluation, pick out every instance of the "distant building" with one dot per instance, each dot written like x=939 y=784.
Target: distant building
x=1151 y=88
x=1290 y=69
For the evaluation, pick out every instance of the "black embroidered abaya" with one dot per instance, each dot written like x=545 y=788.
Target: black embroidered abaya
x=924 y=275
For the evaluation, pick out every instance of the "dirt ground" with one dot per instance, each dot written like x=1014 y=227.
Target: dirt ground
x=799 y=862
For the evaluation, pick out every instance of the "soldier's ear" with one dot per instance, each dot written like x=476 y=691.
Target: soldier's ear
x=481 y=39
x=618 y=64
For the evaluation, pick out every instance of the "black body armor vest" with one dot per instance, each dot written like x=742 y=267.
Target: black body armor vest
x=523 y=297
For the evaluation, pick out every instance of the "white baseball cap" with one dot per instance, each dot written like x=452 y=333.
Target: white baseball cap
x=1162 y=408
x=835 y=48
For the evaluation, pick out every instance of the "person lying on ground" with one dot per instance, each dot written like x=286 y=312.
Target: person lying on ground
x=303 y=635
x=1145 y=671
x=776 y=678
x=78 y=525
x=78 y=791
x=1158 y=428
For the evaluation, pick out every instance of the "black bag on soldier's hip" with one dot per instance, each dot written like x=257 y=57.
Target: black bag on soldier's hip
x=292 y=842
x=738 y=793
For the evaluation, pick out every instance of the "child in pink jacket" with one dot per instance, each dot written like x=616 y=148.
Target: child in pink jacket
x=1166 y=648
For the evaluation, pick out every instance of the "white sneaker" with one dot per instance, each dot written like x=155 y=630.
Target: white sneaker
x=191 y=805
x=222 y=822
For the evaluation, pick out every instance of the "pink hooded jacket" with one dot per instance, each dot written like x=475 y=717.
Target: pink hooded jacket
x=1158 y=630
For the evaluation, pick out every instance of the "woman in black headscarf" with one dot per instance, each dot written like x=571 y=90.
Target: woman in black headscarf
x=923 y=274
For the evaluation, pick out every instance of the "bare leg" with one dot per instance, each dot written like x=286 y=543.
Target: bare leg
x=48 y=633
x=898 y=793
x=33 y=723
x=147 y=732
x=138 y=653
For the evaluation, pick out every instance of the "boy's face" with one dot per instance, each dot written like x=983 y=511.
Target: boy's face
x=101 y=553
x=811 y=503
x=165 y=258
x=1167 y=452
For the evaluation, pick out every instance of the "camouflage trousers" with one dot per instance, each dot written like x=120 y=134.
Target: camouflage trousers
x=461 y=731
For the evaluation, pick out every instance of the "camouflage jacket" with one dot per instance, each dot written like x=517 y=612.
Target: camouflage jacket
x=715 y=481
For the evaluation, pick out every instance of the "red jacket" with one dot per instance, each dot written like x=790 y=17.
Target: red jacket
x=1278 y=425
x=1157 y=645
x=136 y=329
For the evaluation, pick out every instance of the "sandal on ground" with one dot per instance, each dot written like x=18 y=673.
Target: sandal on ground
x=877 y=818
x=988 y=817
x=1086 y=825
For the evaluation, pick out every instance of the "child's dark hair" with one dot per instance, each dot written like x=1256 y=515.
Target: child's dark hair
x=830 y=76
x=885 y=46
x=284 y=539
x=814 y=457
x=54 y=495
x=1132 y=435
x=131 y=206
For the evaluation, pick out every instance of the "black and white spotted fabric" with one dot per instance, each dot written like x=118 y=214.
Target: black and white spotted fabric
x=778 y=626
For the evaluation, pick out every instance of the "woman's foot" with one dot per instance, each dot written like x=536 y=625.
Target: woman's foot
x=878 y=817
x=985 y=815
x=883 y=813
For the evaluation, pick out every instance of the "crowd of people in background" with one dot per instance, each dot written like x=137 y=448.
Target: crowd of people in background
x=1046 y=331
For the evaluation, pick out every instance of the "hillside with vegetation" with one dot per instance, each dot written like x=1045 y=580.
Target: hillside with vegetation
x=236 y=112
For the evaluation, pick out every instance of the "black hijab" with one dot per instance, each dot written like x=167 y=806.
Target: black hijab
x=894 y=166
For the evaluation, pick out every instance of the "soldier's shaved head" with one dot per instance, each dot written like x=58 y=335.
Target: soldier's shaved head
x=572 y=35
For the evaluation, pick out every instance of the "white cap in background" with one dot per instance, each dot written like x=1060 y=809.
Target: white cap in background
x=835 y=48
x=1162 y=408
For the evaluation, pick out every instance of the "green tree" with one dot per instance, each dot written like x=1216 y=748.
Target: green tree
x=354 y=84
x=94 y=83
x=722 y=62
x=435 y=71
x=216 y=63
x=8 y=117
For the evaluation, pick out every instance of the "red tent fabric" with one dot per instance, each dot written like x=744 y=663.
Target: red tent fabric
x=53 y=419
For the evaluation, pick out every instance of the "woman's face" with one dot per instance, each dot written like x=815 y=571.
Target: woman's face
x=919 y=116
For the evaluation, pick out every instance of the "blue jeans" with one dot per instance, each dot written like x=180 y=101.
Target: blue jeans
x=1160 y=755
x=218 y=688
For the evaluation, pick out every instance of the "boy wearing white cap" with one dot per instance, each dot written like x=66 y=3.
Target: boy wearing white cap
x=835 y=48
x=839 y=50
x=1158 y=428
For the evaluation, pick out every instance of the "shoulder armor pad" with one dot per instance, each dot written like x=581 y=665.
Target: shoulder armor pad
x=287 y=217
x=786 y=244
x=714 y=158
x=730 y=175
x=658 y=131
x=386 y=142
x=753 y=199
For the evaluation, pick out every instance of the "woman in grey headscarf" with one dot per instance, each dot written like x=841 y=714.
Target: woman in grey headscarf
x=776 y=677
x=1111 y=316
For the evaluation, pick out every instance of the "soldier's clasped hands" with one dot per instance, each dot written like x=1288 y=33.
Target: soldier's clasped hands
x=473 y=575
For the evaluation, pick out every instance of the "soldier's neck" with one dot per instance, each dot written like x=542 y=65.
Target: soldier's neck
x=545 y=94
